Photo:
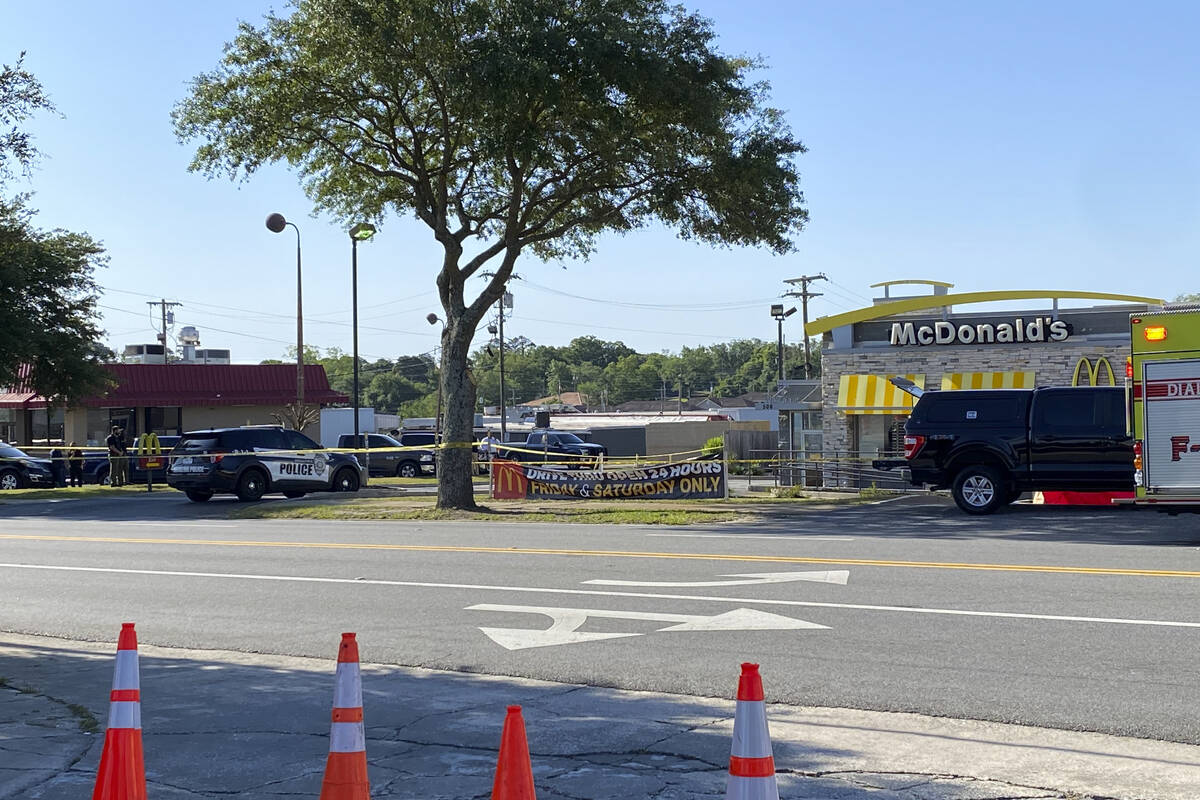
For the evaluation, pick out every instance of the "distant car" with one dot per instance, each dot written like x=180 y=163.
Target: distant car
x=19 y=470
x=390 y=462
x=254 y=460
x=95 y=464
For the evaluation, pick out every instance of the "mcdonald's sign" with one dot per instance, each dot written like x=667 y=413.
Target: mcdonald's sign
x=1085 y=367
x=508 y=480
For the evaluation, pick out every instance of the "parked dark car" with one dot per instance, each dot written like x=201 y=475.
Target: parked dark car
x=18 y=470
x=988 y=446
x=391 y=462
x=95 y=464
x=254 y=460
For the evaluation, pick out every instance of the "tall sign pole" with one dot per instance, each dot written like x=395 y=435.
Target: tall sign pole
x=804 y=294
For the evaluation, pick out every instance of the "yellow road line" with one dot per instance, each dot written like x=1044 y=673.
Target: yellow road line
x=545 y=551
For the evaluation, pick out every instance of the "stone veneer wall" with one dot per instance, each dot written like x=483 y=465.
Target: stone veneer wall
x=1052 y=363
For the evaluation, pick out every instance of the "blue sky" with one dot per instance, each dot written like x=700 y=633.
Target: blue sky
x=1013 y=145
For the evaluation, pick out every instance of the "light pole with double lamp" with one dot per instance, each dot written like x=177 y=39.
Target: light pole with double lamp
x=276 y=223
x=361 y=232
x=780 y=315
x=434 y=319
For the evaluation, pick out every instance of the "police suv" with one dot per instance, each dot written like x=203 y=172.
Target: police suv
x=253 y=460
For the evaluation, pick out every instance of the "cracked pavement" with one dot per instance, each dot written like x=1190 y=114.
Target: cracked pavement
x=222 y=724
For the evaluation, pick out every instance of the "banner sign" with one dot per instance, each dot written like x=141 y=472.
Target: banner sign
x=689 y=480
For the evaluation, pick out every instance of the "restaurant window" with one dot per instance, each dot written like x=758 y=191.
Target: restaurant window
x=98 y=426
x=47 y=427
x=8 y=425
x=164 y=421
x=123 y=418
x=879 y=434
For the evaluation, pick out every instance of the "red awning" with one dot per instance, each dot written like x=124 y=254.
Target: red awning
x=200 y=385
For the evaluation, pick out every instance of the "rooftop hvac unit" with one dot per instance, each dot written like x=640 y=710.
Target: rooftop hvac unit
x=210 y=355
x=144 y=354
x=189 y=335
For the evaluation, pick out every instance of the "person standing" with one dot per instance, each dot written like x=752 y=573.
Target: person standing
x=58 y=467
x=118 y=461
x=75 y=466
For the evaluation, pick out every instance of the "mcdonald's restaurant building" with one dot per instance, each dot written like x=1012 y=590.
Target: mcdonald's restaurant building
x=936 y=343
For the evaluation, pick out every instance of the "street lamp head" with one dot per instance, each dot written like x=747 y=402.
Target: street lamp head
x=362 y=231
x=276 y=223
x=432 y=318
x=789 y=312
x=777 y=310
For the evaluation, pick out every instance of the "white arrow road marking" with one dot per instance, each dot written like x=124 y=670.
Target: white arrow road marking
x=564 y=630
x=826 y=576
x=746 y=619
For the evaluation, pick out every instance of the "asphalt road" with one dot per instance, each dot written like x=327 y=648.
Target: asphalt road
x=1065 y=618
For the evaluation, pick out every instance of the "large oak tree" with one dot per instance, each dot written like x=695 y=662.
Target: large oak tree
x=505 y=126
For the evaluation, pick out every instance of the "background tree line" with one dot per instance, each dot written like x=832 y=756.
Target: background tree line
x=608 y=373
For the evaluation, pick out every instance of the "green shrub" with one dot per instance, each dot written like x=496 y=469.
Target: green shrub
x=713 y=446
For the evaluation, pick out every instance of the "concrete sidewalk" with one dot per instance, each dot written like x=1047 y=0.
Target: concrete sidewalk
x=219 y=723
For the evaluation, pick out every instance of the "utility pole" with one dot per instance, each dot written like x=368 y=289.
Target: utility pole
x=804 y=294
x=162 y=337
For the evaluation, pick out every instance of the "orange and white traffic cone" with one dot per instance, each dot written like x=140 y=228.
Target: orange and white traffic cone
x=751 y=765
x=514 y=772
x=122 y=773
x=346 y=768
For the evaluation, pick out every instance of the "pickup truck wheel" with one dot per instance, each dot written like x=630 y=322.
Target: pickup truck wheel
x=407 y=469
x=979 y=490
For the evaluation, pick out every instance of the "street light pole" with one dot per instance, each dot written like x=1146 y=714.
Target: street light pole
x=360 y=232
x=276 y=223
x=433 y=319
x=780 y=315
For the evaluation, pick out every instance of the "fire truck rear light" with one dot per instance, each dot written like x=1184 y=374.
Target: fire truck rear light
x=1137 y=448
x=1155 y=333
x=913 y=445
x=1128 y=367
x=1137 y=463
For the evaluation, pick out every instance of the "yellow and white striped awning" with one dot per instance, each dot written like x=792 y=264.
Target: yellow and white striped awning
x=987 y=380
x=873 y=394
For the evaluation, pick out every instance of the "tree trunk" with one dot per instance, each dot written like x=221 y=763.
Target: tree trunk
x=457 y=464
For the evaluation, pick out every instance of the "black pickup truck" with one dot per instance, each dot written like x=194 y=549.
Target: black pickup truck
x=544 y=444
x=988 y=446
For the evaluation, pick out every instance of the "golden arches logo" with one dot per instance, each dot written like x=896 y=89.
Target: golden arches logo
x=508 y=480
x=1093 y=372
x=149 y=450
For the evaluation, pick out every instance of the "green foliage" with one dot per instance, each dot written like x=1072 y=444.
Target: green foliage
x=612 y=373
x=873 y=492
x=1194 y=297
x=713 y=446
x=48 y=307
x=21 y=95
